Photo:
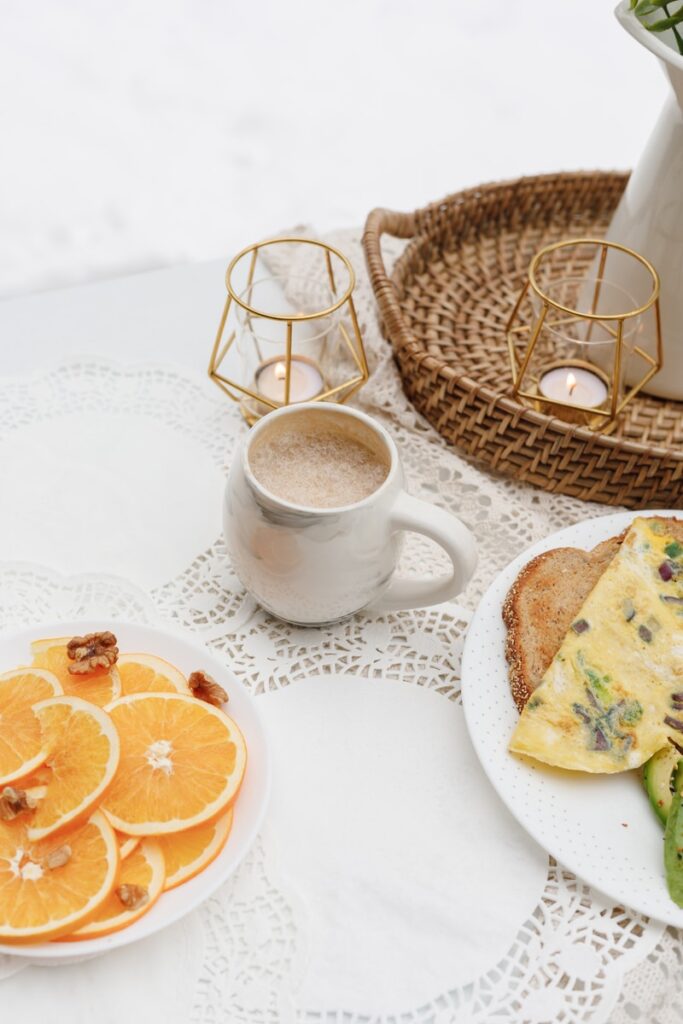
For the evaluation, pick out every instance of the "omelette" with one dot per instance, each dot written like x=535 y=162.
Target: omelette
x=613 y=694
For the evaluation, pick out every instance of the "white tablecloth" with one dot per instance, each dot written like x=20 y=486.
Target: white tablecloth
x=374 y=892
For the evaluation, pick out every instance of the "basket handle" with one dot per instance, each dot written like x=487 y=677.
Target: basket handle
x=399 y=225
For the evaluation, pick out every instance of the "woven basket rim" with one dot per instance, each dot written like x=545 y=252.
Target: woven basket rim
x=540 y=418
x=384 y=221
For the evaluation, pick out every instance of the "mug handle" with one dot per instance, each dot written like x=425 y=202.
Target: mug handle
x=453 y=536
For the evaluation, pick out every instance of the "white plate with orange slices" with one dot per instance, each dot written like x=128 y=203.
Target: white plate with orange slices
x=129 y=792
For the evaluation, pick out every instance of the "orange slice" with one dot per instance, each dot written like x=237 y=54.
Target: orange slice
x=182 y=762
x=145 y=673
x=189 y=852
x=37 y=781
x=144 y=869
x=100 y=687
x=83 y=757
x=51 y=887
x=127 y=844
x=22 y=748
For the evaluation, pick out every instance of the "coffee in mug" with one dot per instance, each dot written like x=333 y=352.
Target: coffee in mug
x=314 y=516
x=318 y=462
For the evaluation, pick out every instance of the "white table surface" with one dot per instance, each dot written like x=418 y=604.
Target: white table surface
x=169 y=314
x=153 y=134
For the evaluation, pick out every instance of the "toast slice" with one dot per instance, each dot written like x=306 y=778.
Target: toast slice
x=545 y=599
x=541 y=605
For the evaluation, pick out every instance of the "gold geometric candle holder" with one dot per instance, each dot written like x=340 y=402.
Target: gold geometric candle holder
x=288 y=335
x=582 y=346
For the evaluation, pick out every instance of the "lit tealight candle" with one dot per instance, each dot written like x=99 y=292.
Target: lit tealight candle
x=574 y=385
x=305 y=379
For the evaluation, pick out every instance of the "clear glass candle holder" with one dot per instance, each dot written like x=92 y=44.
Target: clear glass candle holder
x=581 y=346
x=289 y=331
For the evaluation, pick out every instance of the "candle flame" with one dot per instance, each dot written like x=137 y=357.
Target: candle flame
x=571 y=383
x=280 y=371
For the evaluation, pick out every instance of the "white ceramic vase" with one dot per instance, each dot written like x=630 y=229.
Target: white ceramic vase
x=649 y=217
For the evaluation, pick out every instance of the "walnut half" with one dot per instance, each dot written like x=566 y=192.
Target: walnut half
x=13 y=802
x=94 y=650
x=206 y=688
x=132 y=896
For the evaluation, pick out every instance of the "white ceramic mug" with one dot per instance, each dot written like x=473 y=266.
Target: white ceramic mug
x=313 y=566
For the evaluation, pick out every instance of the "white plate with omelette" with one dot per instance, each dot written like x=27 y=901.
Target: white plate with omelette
x=600 y=826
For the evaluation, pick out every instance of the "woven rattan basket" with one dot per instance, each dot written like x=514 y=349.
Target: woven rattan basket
x=445 y=307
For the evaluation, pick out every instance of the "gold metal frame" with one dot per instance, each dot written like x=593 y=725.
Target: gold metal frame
x=353 y=340
x=603 y=419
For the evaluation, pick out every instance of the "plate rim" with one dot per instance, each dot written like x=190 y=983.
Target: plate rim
x=54 y=952
x=611 y=521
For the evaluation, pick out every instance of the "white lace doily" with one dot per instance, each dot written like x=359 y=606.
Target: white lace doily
x=577 y=958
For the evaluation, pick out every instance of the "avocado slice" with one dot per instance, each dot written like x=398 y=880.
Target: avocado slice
x=658 y=779
x=673 y=841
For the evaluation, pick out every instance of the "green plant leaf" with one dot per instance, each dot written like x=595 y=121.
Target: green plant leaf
x=665 y=23
x=642 y=7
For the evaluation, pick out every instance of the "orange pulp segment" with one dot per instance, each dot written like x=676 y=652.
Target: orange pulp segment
x=144 y=868
x=145 y=673
x=22 y=747
x=39 y=901
x=83 y=756
x=182 y=762
x=189 y=852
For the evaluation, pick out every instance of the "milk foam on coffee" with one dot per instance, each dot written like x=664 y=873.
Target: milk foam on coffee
x=319 y=460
